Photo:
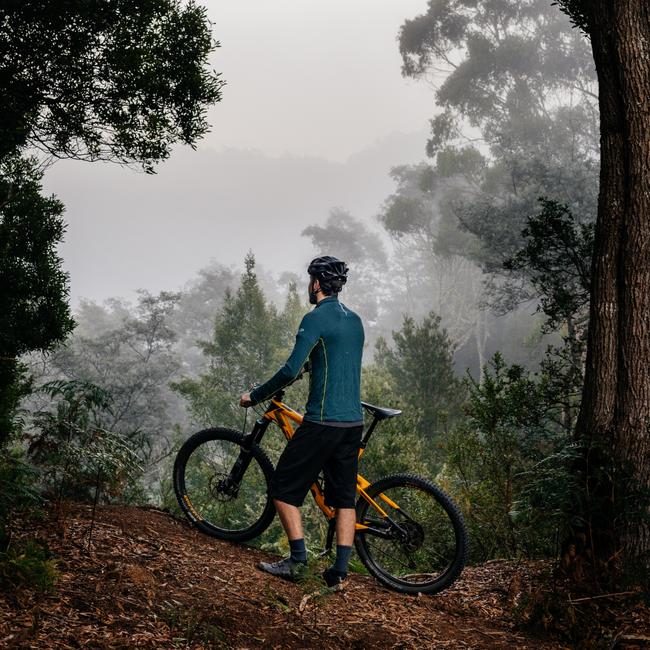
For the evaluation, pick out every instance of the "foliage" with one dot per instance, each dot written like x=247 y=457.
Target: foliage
x=420 y=364
x=507 y=460
x=416 y=213
x=434 y=265
x=193 y=319
x=28 y=564
x=18 y=489
x=579 y=11
x=105 y=80
x=76 y=457
x=556 y=260
x=506 y=67
x=129 y=353
x=507 y=464
x=15 y=385
x=34 y=313
x=514 y=75
x=249 y=342
x=349 y=239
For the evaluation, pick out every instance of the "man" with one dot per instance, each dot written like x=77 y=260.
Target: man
x=331 y=338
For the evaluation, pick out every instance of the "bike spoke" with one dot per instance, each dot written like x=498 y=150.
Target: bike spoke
x=421 y=544
x=387 y=555
x=206 y=469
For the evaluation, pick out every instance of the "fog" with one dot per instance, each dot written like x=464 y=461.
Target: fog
x=128 y=230
x=318 y=78
x=314 y=114
x=325 y=125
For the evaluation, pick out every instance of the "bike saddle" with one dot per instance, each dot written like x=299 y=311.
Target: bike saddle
x=380 y=412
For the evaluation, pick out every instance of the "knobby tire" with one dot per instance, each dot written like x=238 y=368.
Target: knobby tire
x=436 y=551
x=201 y=462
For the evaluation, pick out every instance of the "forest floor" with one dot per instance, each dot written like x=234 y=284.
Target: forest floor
x=149 y=580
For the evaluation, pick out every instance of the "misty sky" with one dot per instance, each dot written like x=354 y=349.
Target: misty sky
x=314 y=114
x=313 y=77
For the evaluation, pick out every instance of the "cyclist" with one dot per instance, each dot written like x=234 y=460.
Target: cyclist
x=330 y=338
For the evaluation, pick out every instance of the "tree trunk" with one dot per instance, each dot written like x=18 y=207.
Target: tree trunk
x=615 y=410
x=481 y=335
x=575 y=359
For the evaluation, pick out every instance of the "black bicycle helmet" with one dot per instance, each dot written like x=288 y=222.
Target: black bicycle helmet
x=331 y=272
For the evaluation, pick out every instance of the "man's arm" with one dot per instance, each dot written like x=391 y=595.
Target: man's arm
x=307 y=337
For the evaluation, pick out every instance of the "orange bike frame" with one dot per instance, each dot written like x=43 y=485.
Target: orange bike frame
x=283 y=416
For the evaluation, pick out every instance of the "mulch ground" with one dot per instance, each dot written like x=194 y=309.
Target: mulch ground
x=151 y=581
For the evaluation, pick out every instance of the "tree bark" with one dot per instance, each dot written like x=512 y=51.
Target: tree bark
x=614 y=417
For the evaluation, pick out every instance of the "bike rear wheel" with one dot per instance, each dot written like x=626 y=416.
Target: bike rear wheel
x=421 y=545
x=235 y=512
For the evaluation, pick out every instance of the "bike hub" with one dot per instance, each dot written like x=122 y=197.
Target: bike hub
x=222 y=488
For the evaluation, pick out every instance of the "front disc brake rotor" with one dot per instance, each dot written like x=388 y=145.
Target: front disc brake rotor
x=221 y=489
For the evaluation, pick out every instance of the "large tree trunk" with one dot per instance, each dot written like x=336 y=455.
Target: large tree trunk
x=614 y=417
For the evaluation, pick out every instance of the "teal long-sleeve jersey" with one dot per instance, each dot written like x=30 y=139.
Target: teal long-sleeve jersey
x=331 y=337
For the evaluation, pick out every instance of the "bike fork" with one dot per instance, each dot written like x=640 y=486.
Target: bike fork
x=246 y=454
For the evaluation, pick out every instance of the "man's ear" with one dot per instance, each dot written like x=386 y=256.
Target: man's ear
x=316 y=285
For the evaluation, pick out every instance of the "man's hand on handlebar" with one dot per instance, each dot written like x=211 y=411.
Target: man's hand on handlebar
x=245 y=400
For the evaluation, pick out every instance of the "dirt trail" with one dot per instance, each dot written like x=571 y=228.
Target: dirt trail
x=151 y=581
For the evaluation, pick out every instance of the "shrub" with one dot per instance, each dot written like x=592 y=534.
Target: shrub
x=30 y=564
x=506 y=464
x=17 y=489
x=76 y=456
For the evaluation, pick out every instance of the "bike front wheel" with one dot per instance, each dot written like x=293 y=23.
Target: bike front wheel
x=236 y=511
x=416 y=541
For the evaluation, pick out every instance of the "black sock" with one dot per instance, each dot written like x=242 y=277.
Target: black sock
x=298 y=550
x=340 y=566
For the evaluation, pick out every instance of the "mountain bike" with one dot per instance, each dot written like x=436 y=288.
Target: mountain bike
x=409 y=534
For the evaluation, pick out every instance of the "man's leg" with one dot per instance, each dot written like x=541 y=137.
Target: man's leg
x=292 y=523
x=345 y=521
x=294 y=566
x=340 y=483
x=290 y=518
x=296 y=469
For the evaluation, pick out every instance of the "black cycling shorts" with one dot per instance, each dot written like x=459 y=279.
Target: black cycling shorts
x=315 y=447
